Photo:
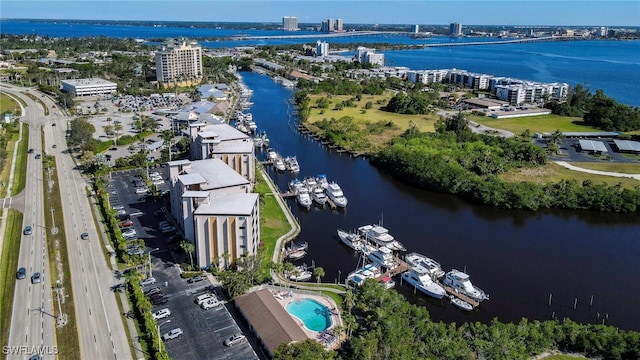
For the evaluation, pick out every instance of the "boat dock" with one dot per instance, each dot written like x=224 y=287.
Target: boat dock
x=332 y=205
x=402 y=267
x=288 y=194
x=460 y=296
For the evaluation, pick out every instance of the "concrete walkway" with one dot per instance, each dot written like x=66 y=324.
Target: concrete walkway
x=597 y=172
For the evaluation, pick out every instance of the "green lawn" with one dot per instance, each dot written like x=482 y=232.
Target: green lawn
x=8 y=267
x=20 y=172
x=552 y=173
x=8 y=104
x=539 y=124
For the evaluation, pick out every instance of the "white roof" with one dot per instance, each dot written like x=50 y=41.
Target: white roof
x=224 y=132
x=214 y=173
x=626 y=145
x=191 y=179
x=591 y=145
x=229 y=204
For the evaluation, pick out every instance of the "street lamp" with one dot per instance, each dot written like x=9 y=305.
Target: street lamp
x=151 y=267
x=160 y=340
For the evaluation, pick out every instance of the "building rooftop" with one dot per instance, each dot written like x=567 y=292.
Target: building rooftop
x=225 y=132
x=234 y=147
x=212 y=174
x=590 y=145
x=228 y=204
x=88 y=82
x=625 y=145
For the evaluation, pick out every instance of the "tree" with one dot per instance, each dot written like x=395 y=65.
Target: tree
x=189 y=248
x=81 y=132
x=305 y=350
x=318 y=272
x=167 y=136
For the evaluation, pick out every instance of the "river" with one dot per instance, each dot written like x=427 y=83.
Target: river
x=519 y=258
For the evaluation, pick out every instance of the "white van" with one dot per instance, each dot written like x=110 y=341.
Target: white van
x=205 y=297
x=211 y=303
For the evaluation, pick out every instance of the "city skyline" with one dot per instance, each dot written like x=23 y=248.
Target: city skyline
x=500 y=12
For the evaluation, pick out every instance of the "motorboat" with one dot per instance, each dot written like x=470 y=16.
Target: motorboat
x=432 y=266
x=382 y=256
x=279 y=165
x=295 y=185
x=257 y=142
x=322 y=181
x=251 y=125
x=420 y=278
x=319 y=196
x=334 y=192
x=303 y=197
x=272 y=155
x=357 y=278
x=461 y=283
x=240 y=126
x=265 y=138
x=300 y=274
x=296 y=254
x=311 y=182
x=460 y=304
x=292 y=164
x=380 y=236
x=352 y=240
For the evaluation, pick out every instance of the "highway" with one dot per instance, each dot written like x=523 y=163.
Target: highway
x=32 y=322
x=100 y=326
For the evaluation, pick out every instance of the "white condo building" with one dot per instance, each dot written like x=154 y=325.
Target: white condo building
x=322 y=48
x=455 y=29
x=369 y=56
x=216 y=211
x=427 y=76
x=290 y=23
x=179 y=62
x=226 y=143
x=89 y=87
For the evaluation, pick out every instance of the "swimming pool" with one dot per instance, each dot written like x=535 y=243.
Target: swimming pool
x=315 y=316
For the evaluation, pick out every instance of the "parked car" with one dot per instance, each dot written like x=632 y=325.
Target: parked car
x=158 y=182
x=205 y=297
x=167 y=229
x=196 y=279
x=161 y=314
x=211 y=303
x=118 y=207
x=159 y=301
x=126 y=223
x=84 y=236
x=21 y=273
x=36 y=278
x=142 y=190
x=234 y=339
x=153 y=290
x=173 y=334
x=27 y=230
x=129 y=232
x=148 y=281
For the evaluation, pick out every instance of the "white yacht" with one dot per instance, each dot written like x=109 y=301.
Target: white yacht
x=460 y=304
x=334 y=192
x=292 y=164
x=358 y=277
x=461 y=283
x=352 y=240
x=318 y=195
x=279 y=164
x=295 y=185
x=420 y=278
x=382 y=256
x=272 y=155
x=311 y=182
x=304 y=199
x=322 y=181
x=300 y=274
x=432 y=266
x=380 y=236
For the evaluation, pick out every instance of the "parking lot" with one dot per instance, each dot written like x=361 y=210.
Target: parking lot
x=570 y=151
x=204 y=331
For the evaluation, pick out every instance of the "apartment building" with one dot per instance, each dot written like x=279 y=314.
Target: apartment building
x=179 y=62
x=426 y=76
x=369 y=56
x=226 y=143
x=322 y=48
x=455 y=29
x=290 y=23
x=215 y=209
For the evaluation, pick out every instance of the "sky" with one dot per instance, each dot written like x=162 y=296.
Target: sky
x=478 y=12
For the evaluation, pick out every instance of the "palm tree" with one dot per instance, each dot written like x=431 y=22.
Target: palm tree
x=318 y=272
x=117 y=128
x=167 y=136
x=288 y=269
x=188 y=247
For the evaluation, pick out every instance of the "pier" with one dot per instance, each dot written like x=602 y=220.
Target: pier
x=460 y=296
x=402 y=267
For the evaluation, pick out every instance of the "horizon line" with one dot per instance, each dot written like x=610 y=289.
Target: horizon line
x=277 y=22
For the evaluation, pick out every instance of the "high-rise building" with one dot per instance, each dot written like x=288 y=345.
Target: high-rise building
x=455 y=29
x=339 y=25
x=328 y=25
x=179 y=61
x=322 y=48
x=290 y=23
x=368 y=56
x=415 y=29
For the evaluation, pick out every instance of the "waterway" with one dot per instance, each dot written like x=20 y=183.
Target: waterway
x=519 y=258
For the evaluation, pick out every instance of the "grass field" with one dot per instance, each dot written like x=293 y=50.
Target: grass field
x=6 y=168
x=8 y=267
x=9 y=104
x=20 y=172
x=624 y=168
x=273 y=222
x=552 y=173
x=67 y=336
x=363 y=116
x=539 y=124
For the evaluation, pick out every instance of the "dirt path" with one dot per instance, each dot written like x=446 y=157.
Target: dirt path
x=597 y=172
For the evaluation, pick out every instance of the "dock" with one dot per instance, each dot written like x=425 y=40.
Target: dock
x=332 y=205
x=402 y=267
x=460 y=296
x=288 y=194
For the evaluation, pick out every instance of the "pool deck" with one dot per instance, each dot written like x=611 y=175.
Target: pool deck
x=326 y=338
